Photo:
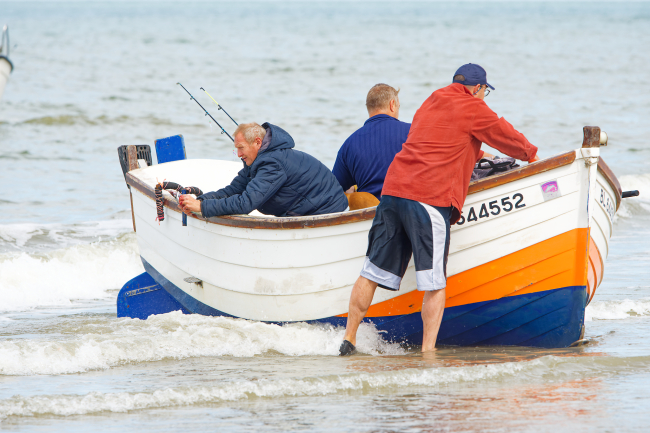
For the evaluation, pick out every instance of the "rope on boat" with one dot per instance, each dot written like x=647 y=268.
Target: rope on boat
x=171 y=186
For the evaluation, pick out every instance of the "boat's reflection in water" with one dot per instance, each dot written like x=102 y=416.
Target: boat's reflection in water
x=533 y=384
x=511 y=408
x=465 y=357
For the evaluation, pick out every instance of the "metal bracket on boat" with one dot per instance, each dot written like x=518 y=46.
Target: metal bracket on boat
x=142 y=290
x=194 y=280
x=628 y=194
x=581 y=342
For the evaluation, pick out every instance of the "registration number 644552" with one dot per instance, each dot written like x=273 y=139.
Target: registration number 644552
x=494 y=208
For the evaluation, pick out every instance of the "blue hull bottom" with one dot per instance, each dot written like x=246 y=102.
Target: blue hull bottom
x=549 y=319
x=142 y=296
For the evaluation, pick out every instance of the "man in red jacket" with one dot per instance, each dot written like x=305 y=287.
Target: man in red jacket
x=423 y=193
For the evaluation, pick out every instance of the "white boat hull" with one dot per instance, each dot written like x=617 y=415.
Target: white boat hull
x=516 y=241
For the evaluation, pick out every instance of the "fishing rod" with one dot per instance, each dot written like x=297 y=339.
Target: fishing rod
x=219 y=105
x=223 y=131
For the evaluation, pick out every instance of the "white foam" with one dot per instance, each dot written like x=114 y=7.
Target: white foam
x=617 y=310
x=103 y=344
x=635 y=206
x=85 y=271
x=32 y=238
x=19 y=234
x=65 y=405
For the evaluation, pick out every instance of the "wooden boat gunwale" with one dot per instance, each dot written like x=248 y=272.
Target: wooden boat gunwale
x=252 y=222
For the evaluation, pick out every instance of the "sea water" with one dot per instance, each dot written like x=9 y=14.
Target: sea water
x=90 y=76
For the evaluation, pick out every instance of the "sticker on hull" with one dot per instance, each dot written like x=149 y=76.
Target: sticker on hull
x=550 y=190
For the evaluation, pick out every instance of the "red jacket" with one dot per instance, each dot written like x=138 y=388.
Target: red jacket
x=436 y=162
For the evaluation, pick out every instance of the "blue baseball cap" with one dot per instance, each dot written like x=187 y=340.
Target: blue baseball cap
x=473 y=74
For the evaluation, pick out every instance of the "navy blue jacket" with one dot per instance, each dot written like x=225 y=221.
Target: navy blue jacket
x=281 y=182
x=364 y=158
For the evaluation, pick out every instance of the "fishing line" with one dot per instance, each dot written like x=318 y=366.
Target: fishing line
x=223 y=131
x=234 y=152
x=219 y=105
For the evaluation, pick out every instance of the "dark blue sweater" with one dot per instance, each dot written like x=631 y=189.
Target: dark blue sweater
x=281 y=182
x=364 y=158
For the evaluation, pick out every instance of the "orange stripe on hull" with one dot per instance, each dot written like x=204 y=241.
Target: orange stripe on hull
x=594 y=271
x=554 y=263
x=551 y=264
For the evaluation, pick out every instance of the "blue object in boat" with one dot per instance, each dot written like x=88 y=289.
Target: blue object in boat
x=184 y=191
x=142 y=296
x=170 y=149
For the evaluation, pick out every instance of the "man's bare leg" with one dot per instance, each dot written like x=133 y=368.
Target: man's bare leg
x=360 y=300
x=432 y=309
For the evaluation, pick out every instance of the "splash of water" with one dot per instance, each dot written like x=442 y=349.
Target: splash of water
x=635 y=206
x=617 y=310
x=61 y=276
x=101 y=344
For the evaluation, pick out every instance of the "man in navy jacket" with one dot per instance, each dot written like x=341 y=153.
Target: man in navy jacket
x=276 y=179
x=364 y=158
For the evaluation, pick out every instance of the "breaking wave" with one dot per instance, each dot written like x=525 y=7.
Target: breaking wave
x=33 y=238
x=636 y=206
x=95 y=402
x=66 y=405
x=58 y=277
x=103 y=343
x=617 y=310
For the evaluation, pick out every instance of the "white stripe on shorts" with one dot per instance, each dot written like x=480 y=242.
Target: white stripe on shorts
x=434 y=278
x=379 y=276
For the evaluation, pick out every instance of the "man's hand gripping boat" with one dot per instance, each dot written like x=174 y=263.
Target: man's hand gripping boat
x=524 y=262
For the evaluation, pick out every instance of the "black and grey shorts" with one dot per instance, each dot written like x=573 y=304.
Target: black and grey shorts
x=403 y=227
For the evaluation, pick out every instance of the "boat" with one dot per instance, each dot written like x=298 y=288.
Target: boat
x=524 y=261
x=5 y=64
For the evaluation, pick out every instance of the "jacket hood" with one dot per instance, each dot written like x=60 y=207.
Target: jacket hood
x=280 y=139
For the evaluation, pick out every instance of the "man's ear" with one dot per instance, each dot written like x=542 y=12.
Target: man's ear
x=258 y=142
x=476 y=89
x=392 y=105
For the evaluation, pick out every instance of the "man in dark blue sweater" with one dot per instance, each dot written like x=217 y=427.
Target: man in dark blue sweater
x=276 y=180
x=364 y=158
